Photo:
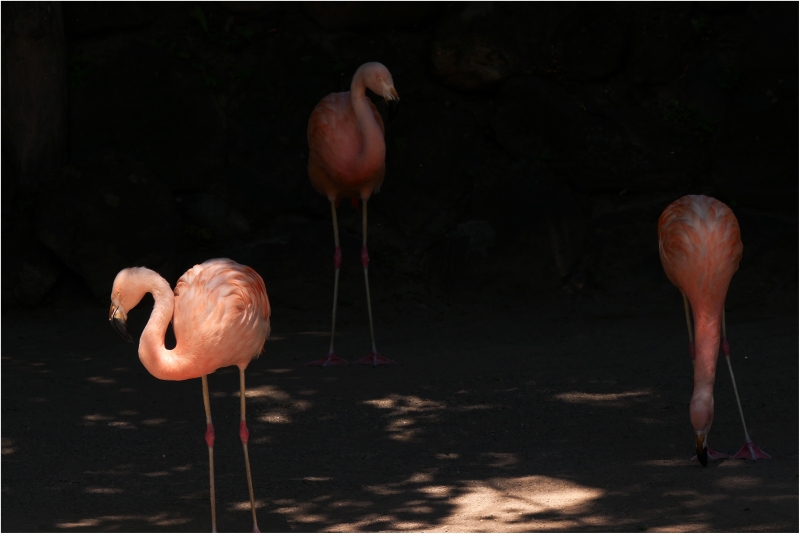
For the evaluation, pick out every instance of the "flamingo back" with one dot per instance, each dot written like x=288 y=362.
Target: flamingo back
x=222 y=311
x=335 y=143
x=700 y=247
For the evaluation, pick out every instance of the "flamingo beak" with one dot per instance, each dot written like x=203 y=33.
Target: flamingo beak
x=702 y=450
x=116 y=317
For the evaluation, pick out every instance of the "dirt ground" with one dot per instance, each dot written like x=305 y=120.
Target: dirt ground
x=561 y=413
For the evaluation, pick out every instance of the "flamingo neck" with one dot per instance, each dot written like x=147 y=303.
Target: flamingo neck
x=160 y=362
x=373 y=147
x=707 y=339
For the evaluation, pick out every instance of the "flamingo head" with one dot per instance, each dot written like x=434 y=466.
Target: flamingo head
x=701 y=412
x=378 y=79
x=121 y=301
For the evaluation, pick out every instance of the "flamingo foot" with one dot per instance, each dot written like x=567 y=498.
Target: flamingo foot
x=255 y=528
x=714 y=455
x=374 y=359
x=750 y=451
x=330 y=359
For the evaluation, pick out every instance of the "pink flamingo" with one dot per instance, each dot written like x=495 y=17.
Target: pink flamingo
x=347 y=160
x=700 y=247
x=220 y=315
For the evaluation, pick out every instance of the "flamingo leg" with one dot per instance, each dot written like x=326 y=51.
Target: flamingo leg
x=749 y=450
x=244 y=434
x=331 y=358
x=210 y=443
x=374 y=359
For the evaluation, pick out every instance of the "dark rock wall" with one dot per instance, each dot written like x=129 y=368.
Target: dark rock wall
x=535 y=144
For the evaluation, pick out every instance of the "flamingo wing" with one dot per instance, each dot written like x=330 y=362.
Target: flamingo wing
x=700 y=245
x=221 y=310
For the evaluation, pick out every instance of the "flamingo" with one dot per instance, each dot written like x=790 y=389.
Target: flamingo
x=347 y=160
x=220 y=315
x=700 y=248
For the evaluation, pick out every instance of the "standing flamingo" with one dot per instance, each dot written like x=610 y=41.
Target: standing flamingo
x=700 y=247
x=347 y=160
x=220 y=315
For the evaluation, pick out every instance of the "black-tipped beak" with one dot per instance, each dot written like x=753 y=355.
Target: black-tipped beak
x=702 y=450
x=117 y=319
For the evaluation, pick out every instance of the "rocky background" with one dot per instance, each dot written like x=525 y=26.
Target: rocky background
x=533 y=150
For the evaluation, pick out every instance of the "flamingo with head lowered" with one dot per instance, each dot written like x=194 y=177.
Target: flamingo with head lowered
x=700 y=248
x=347 y=160
x=220 y=315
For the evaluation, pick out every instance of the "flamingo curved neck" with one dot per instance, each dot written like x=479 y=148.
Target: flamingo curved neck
x=372 y=144
x=160 y=362
x=707 y=339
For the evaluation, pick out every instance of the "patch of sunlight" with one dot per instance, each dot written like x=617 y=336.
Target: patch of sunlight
x=601 y=399
x=101 y=380
x=97 y=417
x=244 y=506
x=182 y=468
x=276 y=417
x=437 y=491
x=163 y=519
x=513 y=502
x=270 y=392
x=401 y=406
x=102 y=491
x=405 y=403
x=125 y=425
x=154 y=422
x=83 y=523
x=316 y=479
x=157 y=474
x=450 y=456
x=686 y=527
x=7 y=446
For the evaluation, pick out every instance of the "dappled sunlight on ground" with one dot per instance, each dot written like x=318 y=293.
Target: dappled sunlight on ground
x=113 y=522
x=535 y=443
x=601 y=399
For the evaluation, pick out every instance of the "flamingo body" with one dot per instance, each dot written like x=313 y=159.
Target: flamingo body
x=222 y=312
x=338 y=164
x=700 y=248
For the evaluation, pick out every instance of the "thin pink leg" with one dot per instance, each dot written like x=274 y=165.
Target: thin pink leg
x=374 y=359
x=244 y=435
x=749 y=450
x=332 y=358
x=210 y=443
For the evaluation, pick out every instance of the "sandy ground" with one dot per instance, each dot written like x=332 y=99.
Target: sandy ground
x=567 y=413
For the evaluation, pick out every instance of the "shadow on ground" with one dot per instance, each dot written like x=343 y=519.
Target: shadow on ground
x=568 y=414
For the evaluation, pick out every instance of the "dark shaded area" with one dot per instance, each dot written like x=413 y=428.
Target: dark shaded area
x=517 y=122
x=514 y=270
